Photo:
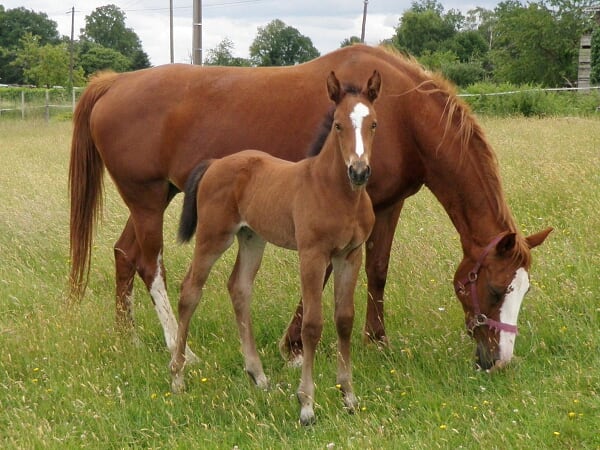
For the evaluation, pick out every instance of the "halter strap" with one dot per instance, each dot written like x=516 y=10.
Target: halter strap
x=478 y=318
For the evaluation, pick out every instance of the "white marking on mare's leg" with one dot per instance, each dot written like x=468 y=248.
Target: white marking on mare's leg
x=163 y=309
x=357 y=115
x=509 y=312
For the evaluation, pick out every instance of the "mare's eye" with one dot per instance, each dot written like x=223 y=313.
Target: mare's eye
x=497 y=294
x=337 y=126
x=373 y=125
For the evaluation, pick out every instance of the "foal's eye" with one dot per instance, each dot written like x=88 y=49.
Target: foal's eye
x=373 y=125
x=337 y=126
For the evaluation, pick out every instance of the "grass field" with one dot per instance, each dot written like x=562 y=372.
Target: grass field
x=69 y=379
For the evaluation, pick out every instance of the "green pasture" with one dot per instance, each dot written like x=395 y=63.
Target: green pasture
x=69 y=379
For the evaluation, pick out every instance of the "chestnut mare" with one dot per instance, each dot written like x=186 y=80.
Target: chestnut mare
x=150 y=128
x=318 y=206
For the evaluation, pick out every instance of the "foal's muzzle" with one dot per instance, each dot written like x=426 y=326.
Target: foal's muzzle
x=359 y=172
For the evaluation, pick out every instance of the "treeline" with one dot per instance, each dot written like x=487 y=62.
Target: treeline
x=32 y=51
x=534 y=43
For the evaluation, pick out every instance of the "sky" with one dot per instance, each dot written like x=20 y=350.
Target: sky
x=326 y=22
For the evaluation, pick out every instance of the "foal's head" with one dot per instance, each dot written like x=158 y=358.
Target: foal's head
x=354 y=123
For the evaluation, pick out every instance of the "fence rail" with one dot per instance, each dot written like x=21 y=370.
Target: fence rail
x=25 y=103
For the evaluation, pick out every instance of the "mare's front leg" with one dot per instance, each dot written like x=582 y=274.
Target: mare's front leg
x=312 y=274
x=378 y=248
x=249 y=257
x=345 y=269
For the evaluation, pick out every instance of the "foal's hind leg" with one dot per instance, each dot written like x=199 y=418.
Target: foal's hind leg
x=208 y=249
x=251 y=248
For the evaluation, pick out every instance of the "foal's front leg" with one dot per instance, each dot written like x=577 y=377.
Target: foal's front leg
x=346 y=269
x=312 y=272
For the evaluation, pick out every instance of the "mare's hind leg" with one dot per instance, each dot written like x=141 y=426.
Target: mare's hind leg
x=126 y=252
x=345 y=269
x=378 y=248
x=147 y=220
x=251 y=248
x=208 y=249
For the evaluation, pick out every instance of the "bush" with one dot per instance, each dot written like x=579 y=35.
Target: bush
x=529 y=101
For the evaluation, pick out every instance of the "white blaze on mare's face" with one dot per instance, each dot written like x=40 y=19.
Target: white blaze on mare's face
x=357 y=115
x=509 y=312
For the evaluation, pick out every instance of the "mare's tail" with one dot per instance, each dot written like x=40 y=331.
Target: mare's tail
x=86 y=171
x=189 y=213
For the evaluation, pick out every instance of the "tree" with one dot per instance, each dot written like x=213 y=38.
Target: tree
x=424 y=27
x=595 y=62
x=106 y=26
x=536 y=44
x=277 y=44
x=45 y=66
x=14 y=24
x=96 y=57
x=222 y=55
x=350 y=41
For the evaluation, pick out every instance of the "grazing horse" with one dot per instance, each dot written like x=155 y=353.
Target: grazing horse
x=151 y=127
x=318 y=206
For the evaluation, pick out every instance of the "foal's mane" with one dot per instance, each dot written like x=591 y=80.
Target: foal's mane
x=327 y=123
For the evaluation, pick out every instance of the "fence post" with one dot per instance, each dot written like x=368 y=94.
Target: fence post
x=73 y=91
x=47 y=105
x=22 y=105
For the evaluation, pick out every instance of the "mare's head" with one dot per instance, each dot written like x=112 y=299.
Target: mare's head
x=354 y=123
x=491 y=287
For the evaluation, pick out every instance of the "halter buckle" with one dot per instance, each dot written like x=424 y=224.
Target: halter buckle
x=472 y=276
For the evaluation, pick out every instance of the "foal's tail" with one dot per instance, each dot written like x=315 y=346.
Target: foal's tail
x=189 y=213
x=86 y=171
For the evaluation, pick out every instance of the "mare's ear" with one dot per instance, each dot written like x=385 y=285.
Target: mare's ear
x=374 y=86
x=506 y=244
x=536 y=239
x=333 y=88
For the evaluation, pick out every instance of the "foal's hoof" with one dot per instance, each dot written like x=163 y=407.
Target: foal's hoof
x=350 y=402
x=261 y=381
x=177 y=384
x=307 y=416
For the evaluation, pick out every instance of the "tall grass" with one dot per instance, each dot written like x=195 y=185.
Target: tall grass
x=69 y=379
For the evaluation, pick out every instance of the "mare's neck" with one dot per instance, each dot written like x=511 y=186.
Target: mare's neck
x=469 y=188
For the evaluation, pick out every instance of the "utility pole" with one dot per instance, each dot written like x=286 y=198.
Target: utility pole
x=171 y=29
x=364 y=22
x=71 y=47
x=197 y=34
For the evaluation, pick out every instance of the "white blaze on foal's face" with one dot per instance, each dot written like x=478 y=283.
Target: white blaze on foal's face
x=357 y=115
x=509 y=312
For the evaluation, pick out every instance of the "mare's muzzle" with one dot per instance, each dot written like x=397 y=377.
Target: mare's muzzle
x=359 y=172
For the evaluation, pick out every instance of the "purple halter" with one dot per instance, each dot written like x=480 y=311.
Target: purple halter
x=478 y=318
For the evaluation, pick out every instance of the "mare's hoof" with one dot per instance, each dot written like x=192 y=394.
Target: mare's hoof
x=177 y=384
x=260 y=381
x=190 y=357
x=350 y=402
x=381 y=340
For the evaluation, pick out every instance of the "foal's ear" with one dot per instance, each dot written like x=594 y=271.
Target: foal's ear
x=374 y=86
x=333 y=88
